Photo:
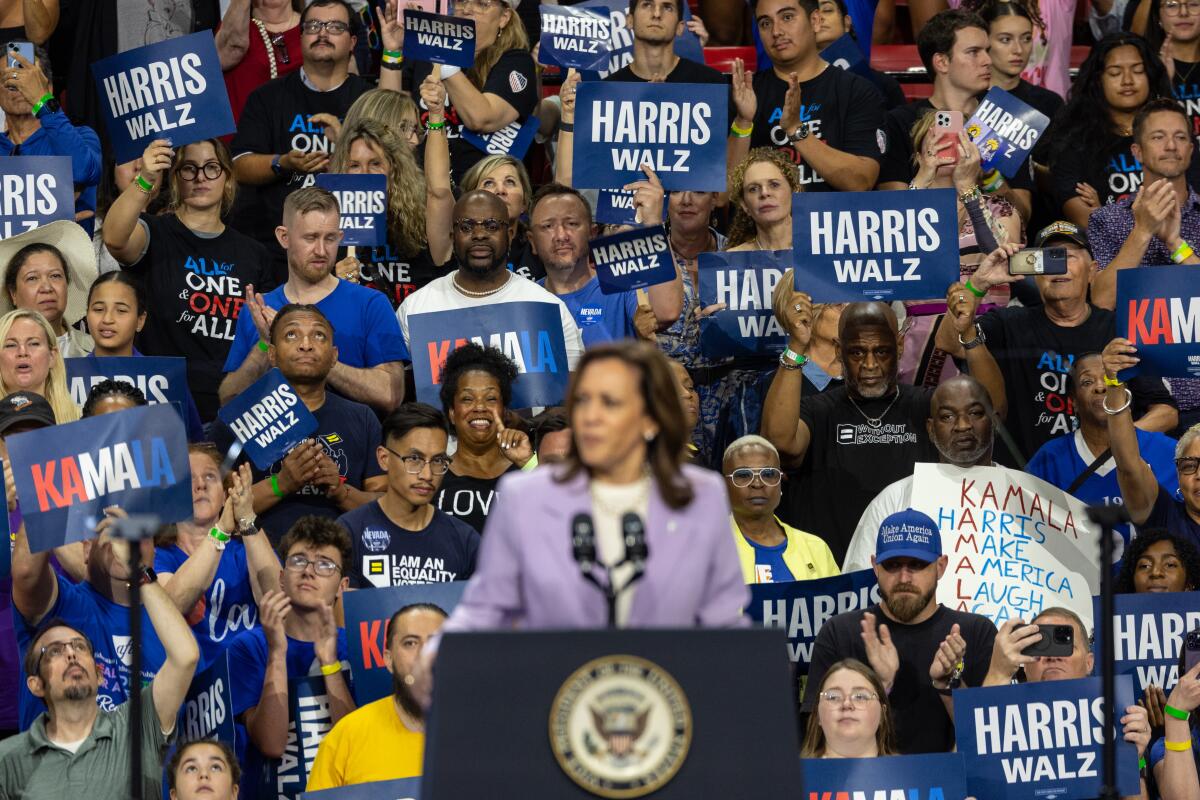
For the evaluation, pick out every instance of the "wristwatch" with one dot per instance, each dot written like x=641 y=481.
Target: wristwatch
x=276 y=167
x=979 y=339
x=800 y=133
x=148 y=575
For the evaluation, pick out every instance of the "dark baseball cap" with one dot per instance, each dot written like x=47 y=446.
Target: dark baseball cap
x=21 y=407
x=1062 y=230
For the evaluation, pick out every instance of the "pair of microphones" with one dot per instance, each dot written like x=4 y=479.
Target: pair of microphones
x=583 y=549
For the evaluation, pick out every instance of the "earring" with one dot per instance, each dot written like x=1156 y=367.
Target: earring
x=409 y=680
x=649 y=436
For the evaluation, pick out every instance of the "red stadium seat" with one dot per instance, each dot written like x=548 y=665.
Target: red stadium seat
x=721 y=58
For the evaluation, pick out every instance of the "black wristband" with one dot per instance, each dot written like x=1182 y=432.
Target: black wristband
x=566 y=127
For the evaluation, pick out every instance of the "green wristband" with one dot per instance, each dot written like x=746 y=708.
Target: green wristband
x=263 y=346
x=394 y=53
x=219 y=535
x=275 y=487
x=47 y=97
x=1142 y=763
x=971 y=288
x=1171 y=711
x=143 y=184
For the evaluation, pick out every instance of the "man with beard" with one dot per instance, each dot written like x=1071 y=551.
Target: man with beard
x=369 y=348
x=921 y=650
x=383 y=740
x=480 y=231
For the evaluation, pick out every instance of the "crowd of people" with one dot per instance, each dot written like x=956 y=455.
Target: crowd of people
x=745 y=470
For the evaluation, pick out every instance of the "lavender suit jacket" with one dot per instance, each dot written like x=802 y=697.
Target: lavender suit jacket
x=527 y=577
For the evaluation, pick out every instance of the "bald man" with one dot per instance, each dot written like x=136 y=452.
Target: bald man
x=480 y=242
x=850 y=442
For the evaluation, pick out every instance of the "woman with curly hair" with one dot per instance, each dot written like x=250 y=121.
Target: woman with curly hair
x=1159 y=561
x=761 y=189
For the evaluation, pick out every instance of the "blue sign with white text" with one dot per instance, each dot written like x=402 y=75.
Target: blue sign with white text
x=399 y=789
x=1158 y=310
x=930 y=776
x=161 y=379
x=363 y=205
x=844 y=53
x=743 y=283
x=852 y=246
x=34 y=190
x=1005 y=130
x=615 y=207
x=513 y=139
x=439 y=39
x=173 y=89
x=633 y=260
x=66 y=475
x=802 y=607
x=575 y=36
x=530 y=333
x=1148 y=631
x=686 y=45
x=1041 y=740
x=207 y=711
x=676 y=128
x=269 y=419
x=367 y=616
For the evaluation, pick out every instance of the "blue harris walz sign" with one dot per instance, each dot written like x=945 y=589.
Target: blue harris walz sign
x=512 y=140
x=1005 y=130
x=530 y=333
x=207 y=711
x=1148 y=631
x=161 y=379
x=173 y=90
x=1041 y=740
x=633 y=260
x=743 y=283
x=362 y=203
x=676 y=128
x=269 y=419
x=844 y=53
x=932 y=776
x=575 y=36
x=687 y=44
x=852 y=246
x=439 y=39
x=34 y=190
x=1158 y=310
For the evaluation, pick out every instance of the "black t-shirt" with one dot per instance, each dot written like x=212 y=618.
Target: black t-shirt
x=469 y=499
x=523 y=261
x=1186 y=89
x=513 y=79
x=1043 y=100
x=276 y=121
x=348 y=432
x=1114 y=173
x=918 y=713
x=686 y=71
x=897 y=164
x=1035 y=356
x=195 y=287
x=889 y=88
x=386 y=554
x=842 y=108
x=849 y=461
x=397 y=276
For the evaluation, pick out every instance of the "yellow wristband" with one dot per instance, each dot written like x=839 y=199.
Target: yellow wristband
x=740 y=132
x=1182 y=253
x=1178 y=747
x=1112 y=381
x=531 y=464
x=331 y=669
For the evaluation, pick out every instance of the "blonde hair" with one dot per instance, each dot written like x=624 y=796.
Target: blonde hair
x=511 y=37
x=814 y=737
x=743 y=227
x=56 y=392
x=487 y=165
x=384 y=106
x=405 y=185
x=221 y=153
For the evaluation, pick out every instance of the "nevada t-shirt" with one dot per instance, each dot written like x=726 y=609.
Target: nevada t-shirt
x=386 y=554
x=195 y=287
x=601 y=317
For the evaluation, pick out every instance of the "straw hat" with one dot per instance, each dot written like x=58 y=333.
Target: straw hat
x=75 y=245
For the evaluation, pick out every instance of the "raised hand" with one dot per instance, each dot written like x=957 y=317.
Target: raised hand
x=745 y=101
x=156 y=161
x=881 y=652
x=273 y=610
x=794 y=312
x=648 y=198
x=949 y=656
x=514 y=444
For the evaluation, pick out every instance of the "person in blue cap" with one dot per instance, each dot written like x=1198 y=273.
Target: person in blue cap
x=921 y=650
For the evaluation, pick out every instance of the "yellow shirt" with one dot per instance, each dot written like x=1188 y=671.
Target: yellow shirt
x=806 y=556
x=368 y=744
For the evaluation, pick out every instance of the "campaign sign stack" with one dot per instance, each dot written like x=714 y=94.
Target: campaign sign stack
x=1005 y=130
x=362 y=203
x=439 y=39
x=511 y=140
x=529 y=333
x=844 y=53
x=933 y=776
x=1148 y=632
x=679 y=129
x=741 y=282
x=34 y=190
x=853 y=246
x=633 y=260
x=269 y=419
x=575 y=36
x=172 y=90
x=66 y=475
x=1158 y=310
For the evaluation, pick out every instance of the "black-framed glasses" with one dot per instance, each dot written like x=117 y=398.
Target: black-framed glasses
x=413 y=463
x=857 y=699
x=322 y=566
x=1187 y=465
x=333 y=26
x=744 y=476
x=279 y=42
x=468 y=226
x=56 y=650
x=212 y=170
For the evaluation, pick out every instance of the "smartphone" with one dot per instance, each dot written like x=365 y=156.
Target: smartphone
x=947 y=125
x=1039 y=261
x=25 y=49
x=1191 y=651
x=1057 y=640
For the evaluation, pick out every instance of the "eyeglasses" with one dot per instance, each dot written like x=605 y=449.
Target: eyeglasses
x=212 y=170
x=56 y=650
x=1172 y=8
x=1187 y=465
x=413 y=464
x=323 y=566
x=857 y=699
x=468 y=226
x=467 y=6
x=744 y=476
x=279 y=42
x=406 y=129
x=333 y=26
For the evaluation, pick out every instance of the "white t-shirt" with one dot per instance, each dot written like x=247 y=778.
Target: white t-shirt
x=610 y=502
x=440 y=295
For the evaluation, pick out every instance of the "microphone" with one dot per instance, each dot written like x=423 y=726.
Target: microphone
x=634 y=533
x=583 y=542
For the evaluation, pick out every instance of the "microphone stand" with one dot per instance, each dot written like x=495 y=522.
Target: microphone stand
x=1107 y=517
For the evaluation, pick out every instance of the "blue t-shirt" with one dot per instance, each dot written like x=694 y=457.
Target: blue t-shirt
x=1158 y=750
x=349 y=432
x=769 y=566
x=601 y=317
x=227 y=605
x=365 y=329
x=1172 y=514
x=387 y=555
x=106 y=624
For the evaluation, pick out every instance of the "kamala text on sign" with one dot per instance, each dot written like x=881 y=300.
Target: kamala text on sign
x=1158 y=310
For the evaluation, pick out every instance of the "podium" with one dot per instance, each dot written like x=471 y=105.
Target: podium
x=611 y=713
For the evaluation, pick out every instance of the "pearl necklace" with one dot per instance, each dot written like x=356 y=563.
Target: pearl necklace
x=486 y=293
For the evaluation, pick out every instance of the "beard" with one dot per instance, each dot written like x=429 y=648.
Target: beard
x=79 y=691
x=961 y=458
x=404 y=696
x=905 y=601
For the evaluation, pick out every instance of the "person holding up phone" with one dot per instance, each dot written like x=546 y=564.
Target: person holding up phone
x=1175 y=758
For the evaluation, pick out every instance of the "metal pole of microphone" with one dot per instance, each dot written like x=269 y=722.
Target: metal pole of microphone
x=1107 y=517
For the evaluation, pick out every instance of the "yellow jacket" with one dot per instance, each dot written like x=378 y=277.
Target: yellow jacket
x=806 y=556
